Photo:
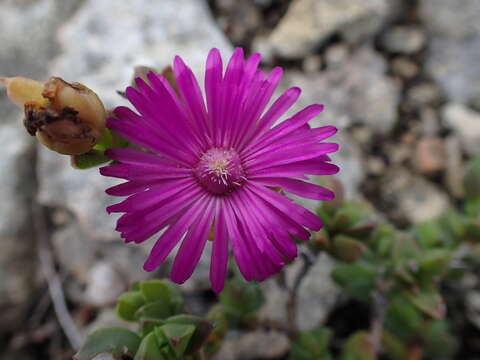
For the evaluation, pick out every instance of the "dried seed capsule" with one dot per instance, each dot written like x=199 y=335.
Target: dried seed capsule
x=67 y=118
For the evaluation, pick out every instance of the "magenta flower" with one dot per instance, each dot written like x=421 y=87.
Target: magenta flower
x=212 y=169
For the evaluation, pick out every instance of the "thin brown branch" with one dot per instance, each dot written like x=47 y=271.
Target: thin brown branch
x=293 y=297
x=53 y=279
x=379 y=312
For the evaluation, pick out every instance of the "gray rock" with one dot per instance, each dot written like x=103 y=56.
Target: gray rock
x=317 y=294
x=473 y=307
x=17 y=258
x=309 y=22
x=105 y=284
x=455 y=167
x=349 y=159
x=430 y=155
x=466 y=124
x=455 y=20
x=404 y=40
x=26 y=33
x=78 y=253
x=80 y=191
x=257 y=344
x=75 y=252
x=421 y=95
x=117 y=35
x=276 y=297
x=455 y=46
x=347 y=97
x=404 y=67
x=413 y=198
x=347 y=101
x=336 y=55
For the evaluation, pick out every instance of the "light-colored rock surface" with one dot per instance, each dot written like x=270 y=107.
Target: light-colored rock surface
x=317 y=294
x=413 y=198
x=455 y=168
x=105 y=283
x=257 y=344
x=17 y=258
x=26 y=32
x=455 y=47
x=276 y=298
x=117 y=35
x=356 y=92
x=430 y=155
x=404 y=40
x=466 y=123
x=309 y=22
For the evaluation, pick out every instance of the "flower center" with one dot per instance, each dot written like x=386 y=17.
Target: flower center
x=220 y=171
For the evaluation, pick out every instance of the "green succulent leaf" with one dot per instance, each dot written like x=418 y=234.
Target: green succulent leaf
x=151 y=349
x=358 y=347
x=202 y=329
x=312 y=345
x=433 y=263
x=157 y=310
x=403 y=318
x=440 y=344
x=346 y=248
x=429 y=302
x=357 y=279
x=177 y=336
x=118 y=342
x=472 y=178
x=217 y=317
x=394 y=347
x=90 y=159
x=128 y=304
x=241 y=299
x=155 y=290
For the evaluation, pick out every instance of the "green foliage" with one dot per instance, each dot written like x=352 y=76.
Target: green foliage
x=240 y=301
x=217 y=317
x=357 y=279
x=358 y=347
x=96 y=157
x=312 y=345
x=401 y=272
x=471 y=179
x=115 y=341
x=164 y=332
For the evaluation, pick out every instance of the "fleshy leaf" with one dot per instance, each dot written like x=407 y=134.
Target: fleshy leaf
x=155 y=290
x=150 y=349
x=311 y=345
x=118 y=342
x=90 y=159
x=177 y=336
x=358 y=347
x=202 y=328
x=357 y=279
x=128 y=303
x=346 y=248
x=154 y=310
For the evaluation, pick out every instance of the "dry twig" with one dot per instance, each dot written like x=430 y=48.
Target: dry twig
x=53 y=280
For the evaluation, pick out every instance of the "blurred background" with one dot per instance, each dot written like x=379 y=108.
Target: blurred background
x=399 y=78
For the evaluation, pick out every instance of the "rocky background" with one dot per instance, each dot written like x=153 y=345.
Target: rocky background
x=400 y=78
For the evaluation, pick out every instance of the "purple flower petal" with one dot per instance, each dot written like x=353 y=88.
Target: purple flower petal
x=214 y=162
